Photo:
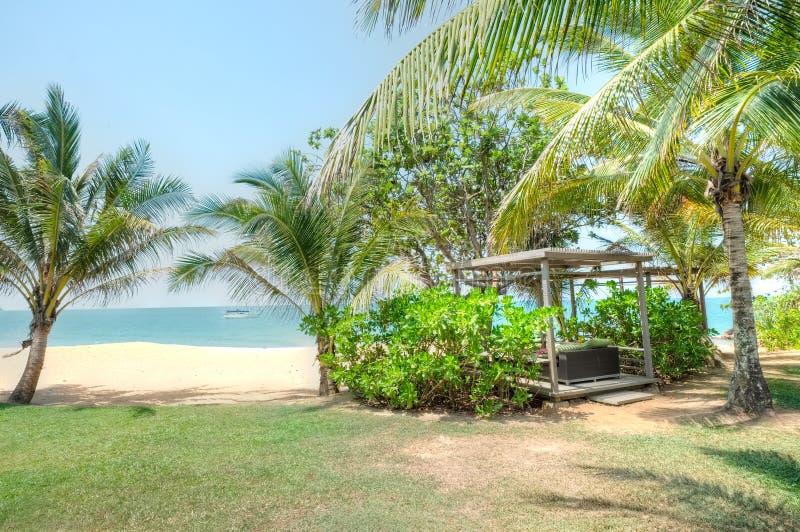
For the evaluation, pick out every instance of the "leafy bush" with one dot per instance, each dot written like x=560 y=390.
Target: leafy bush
x=778 y=320
x=434 y=348
x=680 y=342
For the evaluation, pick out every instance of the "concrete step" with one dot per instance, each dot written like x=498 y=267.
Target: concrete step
x=620 y=398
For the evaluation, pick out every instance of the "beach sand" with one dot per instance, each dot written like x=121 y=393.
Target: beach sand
x=157 y=374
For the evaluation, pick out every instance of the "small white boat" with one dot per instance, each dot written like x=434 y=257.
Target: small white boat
x=238 y=313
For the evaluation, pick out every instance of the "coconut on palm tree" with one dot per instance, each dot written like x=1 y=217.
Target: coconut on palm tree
x=69 y=236
x=718 y=76
x=299 y=246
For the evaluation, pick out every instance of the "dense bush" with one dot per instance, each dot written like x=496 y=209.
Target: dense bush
x=778 y=320
x=434 y=348
x=680 y=342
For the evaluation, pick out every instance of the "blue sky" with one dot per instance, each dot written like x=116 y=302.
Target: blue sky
x=215 y=87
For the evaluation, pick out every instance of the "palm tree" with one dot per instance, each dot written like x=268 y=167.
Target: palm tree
x=729 y=63
x=688 y=237
x=680 y=241
x=736 y=129
x=786 y=264
x=70 y=236
x=317 y=252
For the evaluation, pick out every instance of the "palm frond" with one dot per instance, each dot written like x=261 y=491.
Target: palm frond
x=61 y=128
x=396 y=277
x=487 y=41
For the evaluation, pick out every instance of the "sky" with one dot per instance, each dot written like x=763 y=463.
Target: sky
x=215 y=87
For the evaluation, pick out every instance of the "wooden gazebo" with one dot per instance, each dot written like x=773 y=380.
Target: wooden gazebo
x=551 y=264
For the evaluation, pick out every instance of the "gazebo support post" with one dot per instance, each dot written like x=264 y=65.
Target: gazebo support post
x=456 y=283
x=551 y=339
x=648 y=351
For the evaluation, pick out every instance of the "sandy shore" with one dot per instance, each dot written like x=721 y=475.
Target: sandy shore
x=148 y=373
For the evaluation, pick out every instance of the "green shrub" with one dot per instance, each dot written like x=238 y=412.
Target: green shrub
x=679 y=341
x=434 y=348
x=778 y=320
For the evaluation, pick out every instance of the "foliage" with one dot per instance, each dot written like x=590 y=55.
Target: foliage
x=324 y=323
x=687 y=240
x=778 y=319
x=298 y=245
x=457 y=174
x=67 y=235
x=701 y=89
x=679 y=341
x=434 y=348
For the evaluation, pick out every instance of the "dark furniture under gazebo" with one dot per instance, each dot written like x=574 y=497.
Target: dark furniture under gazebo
x=591 y=364
x=577 y=373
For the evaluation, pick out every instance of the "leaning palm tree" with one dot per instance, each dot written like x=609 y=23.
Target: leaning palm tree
x=70 y=236
x=319 y=253
x=718 y=75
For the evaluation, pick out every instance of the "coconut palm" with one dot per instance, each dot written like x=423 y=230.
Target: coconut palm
x=680 y=241
x=69 y=236
x=716 y=75
x=317 y=252
x=734 y=129
x=682 y=228
x=786 y=264
x=490 y=40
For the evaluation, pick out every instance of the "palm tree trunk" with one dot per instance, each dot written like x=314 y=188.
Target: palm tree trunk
x=26 y=387
x=689 y=295
x=326 y=385
x=748 y=389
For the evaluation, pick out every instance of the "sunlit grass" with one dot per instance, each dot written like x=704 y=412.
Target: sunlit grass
x=323 y=465
x=785 y=393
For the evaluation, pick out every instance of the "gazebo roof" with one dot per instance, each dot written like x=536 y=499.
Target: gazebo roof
x=556 y=257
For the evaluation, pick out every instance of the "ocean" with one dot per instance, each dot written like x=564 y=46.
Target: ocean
x=201 y=326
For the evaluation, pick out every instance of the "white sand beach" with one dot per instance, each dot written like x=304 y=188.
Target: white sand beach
x=148 y=373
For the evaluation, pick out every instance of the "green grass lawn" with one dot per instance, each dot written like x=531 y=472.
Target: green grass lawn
x=785 y=393
x=330 y=465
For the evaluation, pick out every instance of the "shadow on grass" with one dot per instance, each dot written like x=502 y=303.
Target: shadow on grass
x=74 y=395
x=780 y=468
x=533 y=415
x=142 y=411
x=785 y=393
x=691 y=501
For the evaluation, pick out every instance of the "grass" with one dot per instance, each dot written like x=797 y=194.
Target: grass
x=785 y=393
x=318 y=465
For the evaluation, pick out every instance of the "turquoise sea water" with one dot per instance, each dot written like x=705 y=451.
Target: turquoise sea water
x=204 y=326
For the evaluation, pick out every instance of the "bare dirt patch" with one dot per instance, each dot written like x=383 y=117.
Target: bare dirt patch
x=480 y=461
x=698 y=400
